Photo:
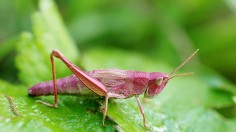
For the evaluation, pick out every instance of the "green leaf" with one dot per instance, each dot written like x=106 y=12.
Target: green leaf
x=49 y=33
x=49 y=29
x=231 y=125
x=7 y=47
x=186 y=104
x=73 y=113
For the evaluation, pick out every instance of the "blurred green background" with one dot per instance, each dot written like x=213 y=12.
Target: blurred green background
x=164 y=31
x=158 y=29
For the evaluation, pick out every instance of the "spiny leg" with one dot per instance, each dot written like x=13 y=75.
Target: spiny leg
x=141 y=110
x=92 y=83
x=54 y=86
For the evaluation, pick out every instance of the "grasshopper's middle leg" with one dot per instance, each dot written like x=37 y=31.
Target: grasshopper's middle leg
x=110 y=95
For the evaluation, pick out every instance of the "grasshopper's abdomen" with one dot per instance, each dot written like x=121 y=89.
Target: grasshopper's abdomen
x=70 y=85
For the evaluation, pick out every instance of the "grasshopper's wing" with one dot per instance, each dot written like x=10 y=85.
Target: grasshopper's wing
x=111 y=78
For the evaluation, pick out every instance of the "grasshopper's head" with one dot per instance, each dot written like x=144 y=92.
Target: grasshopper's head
x=158 y=80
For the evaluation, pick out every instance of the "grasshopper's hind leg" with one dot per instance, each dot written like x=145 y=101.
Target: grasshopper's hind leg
x=92 y=83
x=54 y=105
x=47 y=104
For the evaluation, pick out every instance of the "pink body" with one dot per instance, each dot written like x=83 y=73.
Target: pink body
x=109 y=83
x=125 y=82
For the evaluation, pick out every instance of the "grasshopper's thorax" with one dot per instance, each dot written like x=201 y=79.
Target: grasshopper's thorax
x=157 y=82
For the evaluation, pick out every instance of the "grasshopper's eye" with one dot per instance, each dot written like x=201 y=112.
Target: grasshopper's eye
x=159 y=81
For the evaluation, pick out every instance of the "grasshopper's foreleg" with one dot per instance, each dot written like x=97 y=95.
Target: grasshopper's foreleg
x=141 y=110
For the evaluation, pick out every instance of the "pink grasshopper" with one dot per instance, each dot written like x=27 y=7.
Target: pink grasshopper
x=110 y=83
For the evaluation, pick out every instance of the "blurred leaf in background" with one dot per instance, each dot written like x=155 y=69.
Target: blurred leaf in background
x=14 y=20
x=132 y=35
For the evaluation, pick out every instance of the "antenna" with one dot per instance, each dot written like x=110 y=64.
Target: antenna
x=183 y=63
x=182 y=74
